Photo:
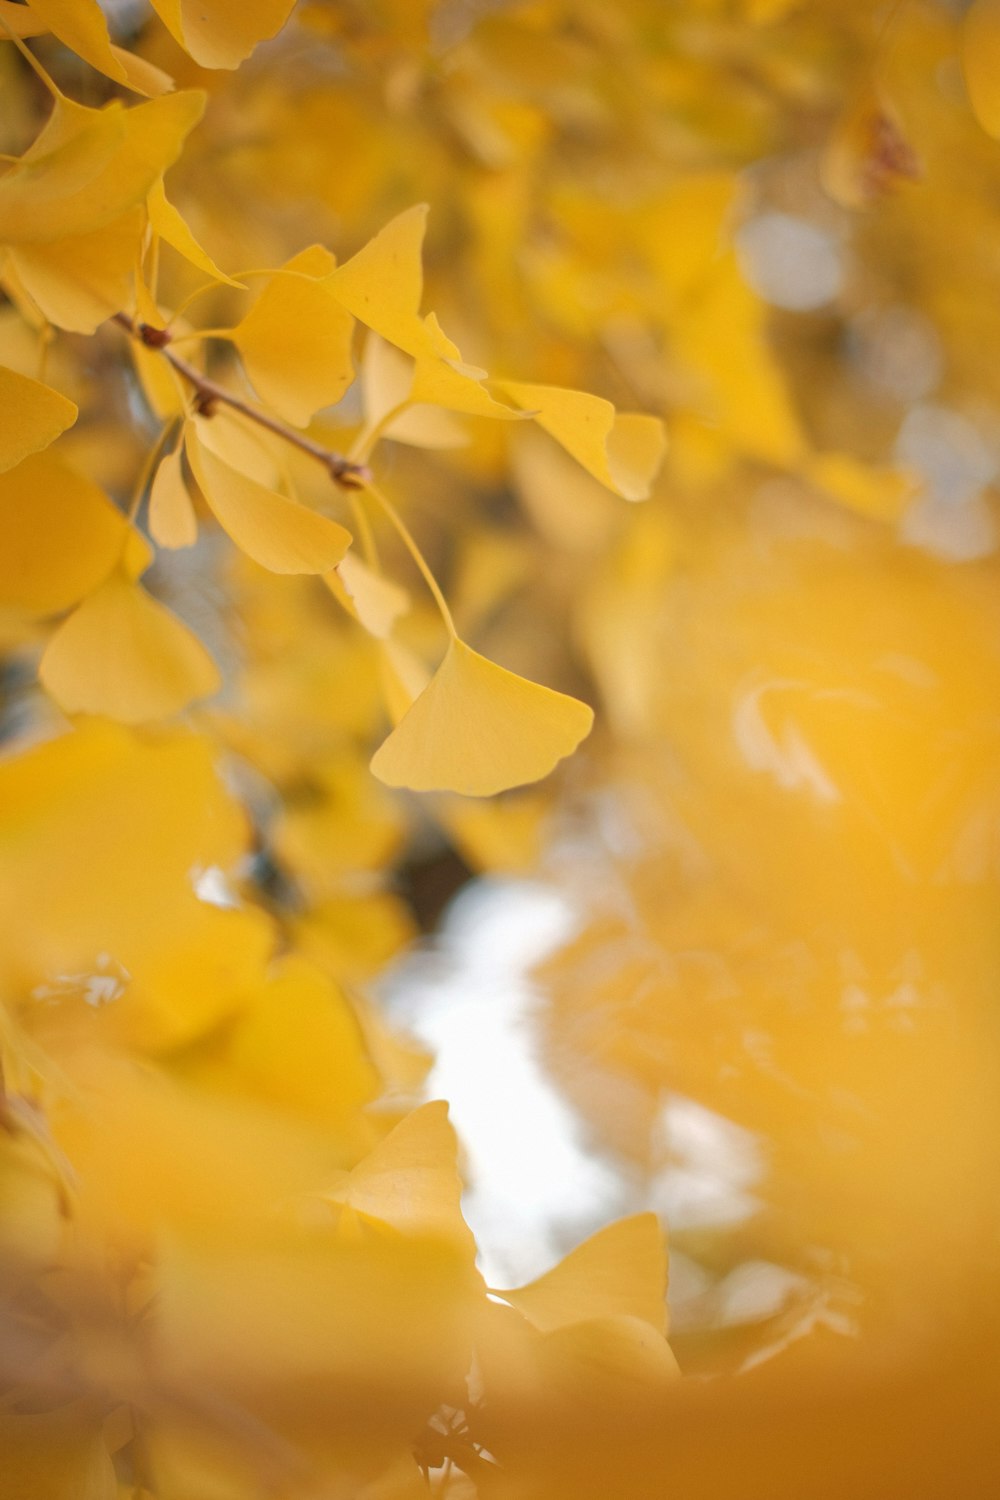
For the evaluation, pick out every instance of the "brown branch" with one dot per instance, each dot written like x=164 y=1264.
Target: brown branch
x=209 y=395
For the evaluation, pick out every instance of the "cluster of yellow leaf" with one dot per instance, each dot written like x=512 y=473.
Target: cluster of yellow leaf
x=235 y=1261
x=224 y=1271
x=80 y=212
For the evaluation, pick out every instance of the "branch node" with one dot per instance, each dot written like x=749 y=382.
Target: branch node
x=206 y=403
x=350 y=476
x=154 y=338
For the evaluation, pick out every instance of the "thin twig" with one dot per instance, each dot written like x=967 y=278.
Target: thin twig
x=209 y=395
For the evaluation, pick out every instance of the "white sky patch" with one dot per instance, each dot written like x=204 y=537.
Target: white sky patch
x=535 y=1186
x=211 y=885
x=713 y=1168
x=789 y=262
x=951 y=517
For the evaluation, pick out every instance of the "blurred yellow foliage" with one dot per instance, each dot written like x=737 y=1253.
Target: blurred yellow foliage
x=314 y=471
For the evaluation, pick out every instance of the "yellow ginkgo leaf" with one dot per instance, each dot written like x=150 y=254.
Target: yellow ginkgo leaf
x=981 y=61
x=171 y=226
x=589 y=1363
x=218 y=34
x=619 y=1271
x=297 y=1044
x=442 y=381
x=478 y=729
x=387 y=376
x=33 y=416
x=276 y=532
x=172 y=520
x=374 y=601
x=383 y=284
x=142 y=76
x=60 y=536
x=622 y=451
x=121 y=653
x=70 y=153
x=81 y=26
x=80 y=281
x=87 y=167
x=410 y=1180
x=295 y=343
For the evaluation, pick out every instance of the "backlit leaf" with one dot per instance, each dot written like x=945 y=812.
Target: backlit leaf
x=276 y=532
x=410 y=1180
x=123 y=654
x=59 y=536
x=477 y=729
x=33 y=415
x=622 y=451
x=619 y=1271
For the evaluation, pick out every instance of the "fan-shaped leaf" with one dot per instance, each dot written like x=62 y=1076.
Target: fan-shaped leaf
x=121 y=653
x=276 y=532
x=624 y=452
x=619 y=1271
x=218 y=34
x=33 y=416
x=59 y=536
x=172 y=520
x=295 y=343
x=478 y=729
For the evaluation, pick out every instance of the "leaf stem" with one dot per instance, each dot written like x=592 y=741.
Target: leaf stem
x=416 y=554
x=32 y=60
x=209 y=394
x=146 y=472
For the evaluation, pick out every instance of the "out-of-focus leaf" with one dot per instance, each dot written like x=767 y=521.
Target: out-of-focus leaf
x=33 y=416
x=621 y=1271
x=59 y=535
x=123 y=654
